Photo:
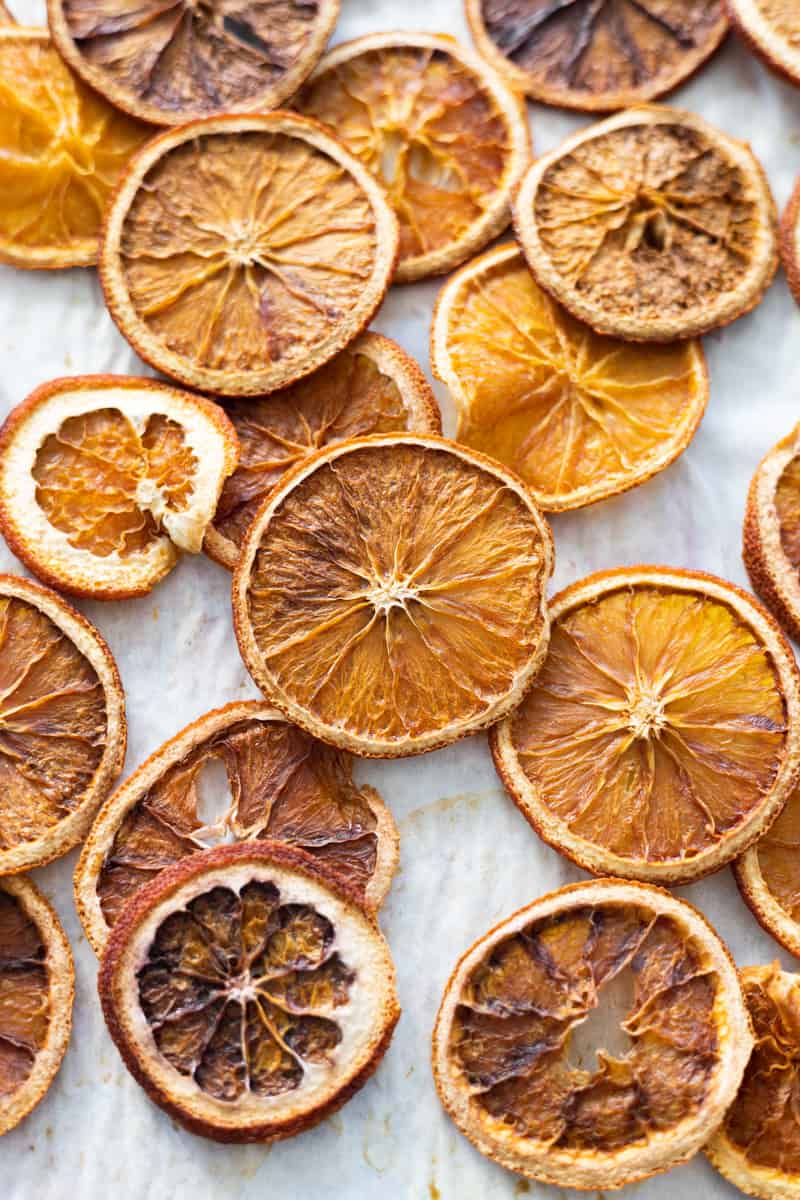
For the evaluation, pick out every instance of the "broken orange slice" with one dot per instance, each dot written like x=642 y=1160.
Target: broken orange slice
x=771 y=536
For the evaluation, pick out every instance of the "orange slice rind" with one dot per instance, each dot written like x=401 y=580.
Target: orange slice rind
x=790 y=242
x=766 y=875
x=771 y=533
x=771 y=28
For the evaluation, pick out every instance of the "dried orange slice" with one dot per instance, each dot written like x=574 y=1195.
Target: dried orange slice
x=62 y=725
x=241 y=253
x=170 y=62
x=662 y=735
x=578 y=416
x=593 y=1038
x=650 y=226
x=62 y=150
x=105 y=478
x=248 y=992
x=790 y=242
x=372 y=386
x=768 y=879
x=772 y=29
x=771 y=537
x=441 y=130
x=596 y=57
x=37 y=984
x=238 y=773
x=390 y=594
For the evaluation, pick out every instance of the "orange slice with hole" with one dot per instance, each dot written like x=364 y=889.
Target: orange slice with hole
x=771 y=536
x=790 y=242
x=771 y=28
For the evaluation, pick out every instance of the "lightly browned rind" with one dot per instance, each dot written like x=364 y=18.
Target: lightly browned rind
x=790 y=242
x=771 y=531
x=771 y=29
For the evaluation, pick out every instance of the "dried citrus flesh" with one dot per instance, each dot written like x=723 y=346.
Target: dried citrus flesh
x=771 y=535
x=440 y=129
x=105 y=478
x=248 y=992
x=790 y=241
x=169 y=62
x=372 y=386
x=661 y=737
x=651 y=225
x=594 y=1037
x=36 y=991
x=767 y=876
x=389 y=597
x=772 y=29
x=241 y=253
x=577 y=416
x=596 y=56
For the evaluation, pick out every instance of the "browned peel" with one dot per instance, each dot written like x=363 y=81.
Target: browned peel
x=790 y=242
x=771 y=531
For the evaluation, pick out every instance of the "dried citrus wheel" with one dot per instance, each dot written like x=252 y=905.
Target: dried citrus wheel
x=438 y=127
x=248 y=991
x=767 y=876
x=771 y=536
x=168 y=62
x=62 y=149
x=650 y=226
x=241 y=253
x=105 y=478
x=790 y=242
x=578 y=416
x=593 y=56
x=593 y=1038
x=772 y=29
x=390 y=594
x=662 y=735
x=37 y=983
x=62 y=725
x=239 y=773
x=372 y=386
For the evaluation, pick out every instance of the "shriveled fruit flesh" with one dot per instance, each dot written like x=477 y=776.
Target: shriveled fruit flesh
x=390 y=594
x=62 y=150
x=771 y=535
x=445 y=136
x=768 y=879
x=371 y=387
x=577 y=416
x=772 y=29
x=597 y=56
x=650 y=226
x=661 y=737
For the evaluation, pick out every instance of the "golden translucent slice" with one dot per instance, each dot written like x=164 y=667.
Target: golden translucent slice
x=389 y=597
x=62 y=151
x=772 y=29
x=577 y=416
x=771 y=535
x=438 y=127
x=769 y=878
x=661 y=737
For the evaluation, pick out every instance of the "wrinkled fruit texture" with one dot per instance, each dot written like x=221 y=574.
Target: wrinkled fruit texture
x=787 y=507
x=284 y=786
x=397 y=590
x=243 y=250
x=426 y=126
x=513 y=1032
x=656 y=724
x=241 y=991
x=24 y=996
x=52 y=723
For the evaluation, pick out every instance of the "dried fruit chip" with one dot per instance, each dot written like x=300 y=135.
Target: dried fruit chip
x=771 y=540
x=768 y=878
x=241 y=253
x=790 y=242
x=772 y=29
x=650 y=226
x=578 y=416
x=438 y=127
x=372 y=386
x=248 y=992
x=662 y=735
x=389 y=597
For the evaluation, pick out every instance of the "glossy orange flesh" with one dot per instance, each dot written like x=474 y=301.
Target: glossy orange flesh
x=24 y=996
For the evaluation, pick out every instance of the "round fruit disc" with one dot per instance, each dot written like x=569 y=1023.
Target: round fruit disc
x=241 y=253
x=37 y=983
x=772 y=29
x=169 y=62
x=650 y=226
x=771 y=541
x=767 y=875
x=62 y=725
x=577 y=416
x=239 y=773
x=662 y=735
x=592 y=56
x=105 y=478
x=372 y=386
x=248 y=992
x=438 y=127
x=790 y=242
x=593 y=1038
x=390 y=595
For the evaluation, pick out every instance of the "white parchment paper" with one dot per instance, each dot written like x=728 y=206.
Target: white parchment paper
x=468 y=857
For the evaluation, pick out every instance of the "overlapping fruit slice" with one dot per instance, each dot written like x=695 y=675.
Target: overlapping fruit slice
x=578 y=416
x=593 y=1038
x=373 y=386
x=36 y=990
x=249 y=992
x=790 y=242
x=442 y=131
x=772 y=29
x=662 y=736
x=389 y=597
x=768 y=877
x=650 y=226
x=771 y=540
